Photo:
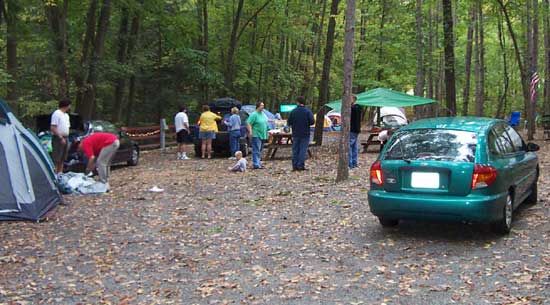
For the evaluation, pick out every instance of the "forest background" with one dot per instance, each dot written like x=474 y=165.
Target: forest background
x=135 y=61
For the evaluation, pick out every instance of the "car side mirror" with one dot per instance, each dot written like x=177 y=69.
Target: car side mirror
x=532 y=147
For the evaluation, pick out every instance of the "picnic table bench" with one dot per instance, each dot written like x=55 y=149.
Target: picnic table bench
x=282 y=140
x=372 y=140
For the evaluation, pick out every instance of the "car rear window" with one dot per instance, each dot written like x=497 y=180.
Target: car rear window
x=432 y=144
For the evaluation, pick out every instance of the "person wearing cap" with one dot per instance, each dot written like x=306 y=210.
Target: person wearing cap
x=100 y=148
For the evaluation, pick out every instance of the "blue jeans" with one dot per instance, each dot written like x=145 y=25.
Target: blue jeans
x=257 y=146
x=353 y=149
x=234 y=137
x=299 y=151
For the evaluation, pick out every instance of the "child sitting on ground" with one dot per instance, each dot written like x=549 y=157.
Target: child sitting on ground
x=240 y=166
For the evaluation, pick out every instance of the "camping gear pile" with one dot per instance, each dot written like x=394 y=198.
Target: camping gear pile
x=78 y=183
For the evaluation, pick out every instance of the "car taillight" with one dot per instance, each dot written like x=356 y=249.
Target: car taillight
x=376 y=176
x=483 y=176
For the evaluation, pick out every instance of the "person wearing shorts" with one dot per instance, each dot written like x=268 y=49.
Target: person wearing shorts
x=207 y=130
x=181 y=122
x=59 y=126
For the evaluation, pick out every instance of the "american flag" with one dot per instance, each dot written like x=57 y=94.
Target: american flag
x=535 y=79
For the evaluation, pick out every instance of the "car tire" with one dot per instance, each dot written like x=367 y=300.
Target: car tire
x=533 y=197
x=504 y=225
x=134 y=157
x=244 y=149
x=388 y=222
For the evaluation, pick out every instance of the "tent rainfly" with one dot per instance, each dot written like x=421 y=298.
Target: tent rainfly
x=381 y=97
x=28 y=189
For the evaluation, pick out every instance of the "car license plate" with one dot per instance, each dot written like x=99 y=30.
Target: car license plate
x=425 y=180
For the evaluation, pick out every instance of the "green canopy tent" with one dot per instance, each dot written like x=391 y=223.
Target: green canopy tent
x=381 y=97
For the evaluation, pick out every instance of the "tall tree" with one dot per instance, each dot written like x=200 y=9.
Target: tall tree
x=522 y=70
x=547 y=57
x=89 y=35
x=468 y=62
x=325 y=74
x=419 y=88
x=501 y=107
x=89 y=103
x=534 y=63
x=57 y=17
x=132 y=42
x=448 y=38
x=10 y=12
x=480 y=61
x=343 y=155
x=236 y=32
x=202 y=6
x=120 y=83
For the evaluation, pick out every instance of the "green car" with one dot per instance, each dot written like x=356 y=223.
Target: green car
x=468 y=169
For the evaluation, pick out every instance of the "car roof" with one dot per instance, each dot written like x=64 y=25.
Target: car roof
x=466 y=123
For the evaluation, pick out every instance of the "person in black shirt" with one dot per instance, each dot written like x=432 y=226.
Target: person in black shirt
x=354 y=130
x=300 y=119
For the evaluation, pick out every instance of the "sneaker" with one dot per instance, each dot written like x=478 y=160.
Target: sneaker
x=184 y=157
x=232 y=158
x=179 y=157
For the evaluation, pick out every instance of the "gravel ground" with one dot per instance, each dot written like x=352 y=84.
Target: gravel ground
x=265 y=237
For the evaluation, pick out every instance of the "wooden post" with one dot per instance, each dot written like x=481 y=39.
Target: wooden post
x=163 y=129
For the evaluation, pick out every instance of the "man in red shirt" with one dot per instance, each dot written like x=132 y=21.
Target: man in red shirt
x=100 y=148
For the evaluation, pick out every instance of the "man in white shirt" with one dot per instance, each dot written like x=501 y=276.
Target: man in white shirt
x=59 y=126
x=181 y=122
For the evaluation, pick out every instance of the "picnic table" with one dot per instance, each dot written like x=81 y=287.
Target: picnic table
x=372 y=139
x=282 y=140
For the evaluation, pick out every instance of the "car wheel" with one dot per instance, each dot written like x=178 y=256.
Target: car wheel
x=533 y=197
x=244 y=149
x=388 y=222
x=134 y=158
x=504 y=225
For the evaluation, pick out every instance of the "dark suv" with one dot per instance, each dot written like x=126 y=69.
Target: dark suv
x=222 y=107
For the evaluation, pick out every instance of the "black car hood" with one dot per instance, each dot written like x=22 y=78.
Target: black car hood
x=224 y=104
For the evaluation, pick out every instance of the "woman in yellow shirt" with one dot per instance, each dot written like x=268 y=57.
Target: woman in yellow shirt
x=207 y=130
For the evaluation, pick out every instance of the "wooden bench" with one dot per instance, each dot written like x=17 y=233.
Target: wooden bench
x=282 y=140
x=372 y=140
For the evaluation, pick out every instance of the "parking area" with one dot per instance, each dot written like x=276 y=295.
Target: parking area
x=268 y=236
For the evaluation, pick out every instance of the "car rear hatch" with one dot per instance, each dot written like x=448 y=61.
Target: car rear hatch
x=429 y=161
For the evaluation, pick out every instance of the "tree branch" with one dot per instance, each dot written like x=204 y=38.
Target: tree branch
x=252 y=17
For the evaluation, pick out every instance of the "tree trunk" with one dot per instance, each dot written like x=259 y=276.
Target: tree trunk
x=547 y=57
x=534 y=66
x=501 y=108
x=99 y=42
x=523 y=72
x=57 y=17
x=12 y=9
x=480 y=62
x=120 y=84
x=381 y=38
x=343 y=156
x=204 y=47
x=236 y=33
x=450 y=86
x=132 y=42
x=80 y=77
x=316 y=48
x=325 y=74
x=429 y=70
x=419 y=88
x=468 y=64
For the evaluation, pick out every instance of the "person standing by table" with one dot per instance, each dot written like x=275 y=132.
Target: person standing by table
x=208 y=129
x=354 y=130
x=234 y=125
x=257 y=130
x=300 y=119
x=60 y=124
x=100 y=148
x=181 y=122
